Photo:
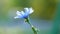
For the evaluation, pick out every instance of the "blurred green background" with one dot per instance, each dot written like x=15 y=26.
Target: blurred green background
x=44 y=16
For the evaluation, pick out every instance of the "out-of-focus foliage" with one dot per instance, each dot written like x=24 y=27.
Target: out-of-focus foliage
x=43 y=8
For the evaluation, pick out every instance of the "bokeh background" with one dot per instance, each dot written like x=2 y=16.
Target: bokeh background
x=46 y=16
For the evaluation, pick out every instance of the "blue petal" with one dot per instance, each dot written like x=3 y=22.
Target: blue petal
x=18 y=13
x=31 y=10
x=22 y=13
x=26 y=11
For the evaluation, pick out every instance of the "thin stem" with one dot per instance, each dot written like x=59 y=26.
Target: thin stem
x=33 y=28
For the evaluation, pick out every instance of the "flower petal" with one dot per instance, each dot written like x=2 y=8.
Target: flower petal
x=18 y=13
x=26 y=10
x=31 y=10
x=22 y=13
x=16 y=17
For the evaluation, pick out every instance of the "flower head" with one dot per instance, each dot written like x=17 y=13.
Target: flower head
x=25 y=13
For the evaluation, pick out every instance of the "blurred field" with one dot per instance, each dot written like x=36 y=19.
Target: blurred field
x=46 y=16
x=19 y=27
x=43 y=8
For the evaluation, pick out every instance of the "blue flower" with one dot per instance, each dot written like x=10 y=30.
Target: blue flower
x=25 y=13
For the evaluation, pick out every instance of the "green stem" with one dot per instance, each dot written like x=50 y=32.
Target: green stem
x=33 y=28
